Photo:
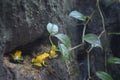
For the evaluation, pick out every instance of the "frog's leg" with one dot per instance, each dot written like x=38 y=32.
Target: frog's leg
x=43 y=62
x=21 y=58
x=38 y=64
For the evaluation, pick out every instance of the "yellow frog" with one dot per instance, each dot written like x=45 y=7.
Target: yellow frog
x=40 y=59
x=17 y=56
x=52 y=52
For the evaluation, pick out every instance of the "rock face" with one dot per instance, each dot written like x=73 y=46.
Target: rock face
x=111 y=16
x=24 y=21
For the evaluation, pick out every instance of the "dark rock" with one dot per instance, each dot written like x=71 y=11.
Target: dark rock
x=24 y=21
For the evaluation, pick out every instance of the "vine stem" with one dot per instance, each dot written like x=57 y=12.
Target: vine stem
x=103 y=21
x=104 y=30
x=76 y=46
x=84 y=29
x=90 y=49
x=50 y=40
x=88 y=62
x=85 y=25
x=88 y=52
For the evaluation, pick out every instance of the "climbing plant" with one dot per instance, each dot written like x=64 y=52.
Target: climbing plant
x=64 y=43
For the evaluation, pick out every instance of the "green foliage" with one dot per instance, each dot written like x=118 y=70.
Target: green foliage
x=78 y=15
x=93 y=40
x=64 y=50
x=64 y=39
x=52 y=28
x=114 y=33
x=64 y=45
x=103 y=75
x=65 y=42
x=114 y=60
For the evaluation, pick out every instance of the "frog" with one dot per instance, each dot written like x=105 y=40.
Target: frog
x=52 y=52
x=39 y=60
x=17 y=56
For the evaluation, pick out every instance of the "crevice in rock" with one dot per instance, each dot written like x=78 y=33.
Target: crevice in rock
x=50 y=72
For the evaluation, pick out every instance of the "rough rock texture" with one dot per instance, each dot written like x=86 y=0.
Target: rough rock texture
x=24 y=21
x=112 y=24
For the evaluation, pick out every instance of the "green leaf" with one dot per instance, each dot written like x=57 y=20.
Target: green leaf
x=103 y=75
x=93 y=40
x=52 y=28
x=64 y=39
x=114 y=33
x=114 y=60
x=78 y=15
x=64 y=50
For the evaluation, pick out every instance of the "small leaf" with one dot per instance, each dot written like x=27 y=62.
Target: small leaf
x=103 y=75
x=93 y=40
x=52 y=28
x=114 y=33
x=78 y=15
x=64 y=50
x=64 y=39
x=114 y=60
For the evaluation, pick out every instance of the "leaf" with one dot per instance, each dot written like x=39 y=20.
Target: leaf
x=93 y=40
x=114 y=33
x=78 y=15
x=64 y=39
x=114 y=60
x=103 y=75
x=64 y=50
x=52 y=28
